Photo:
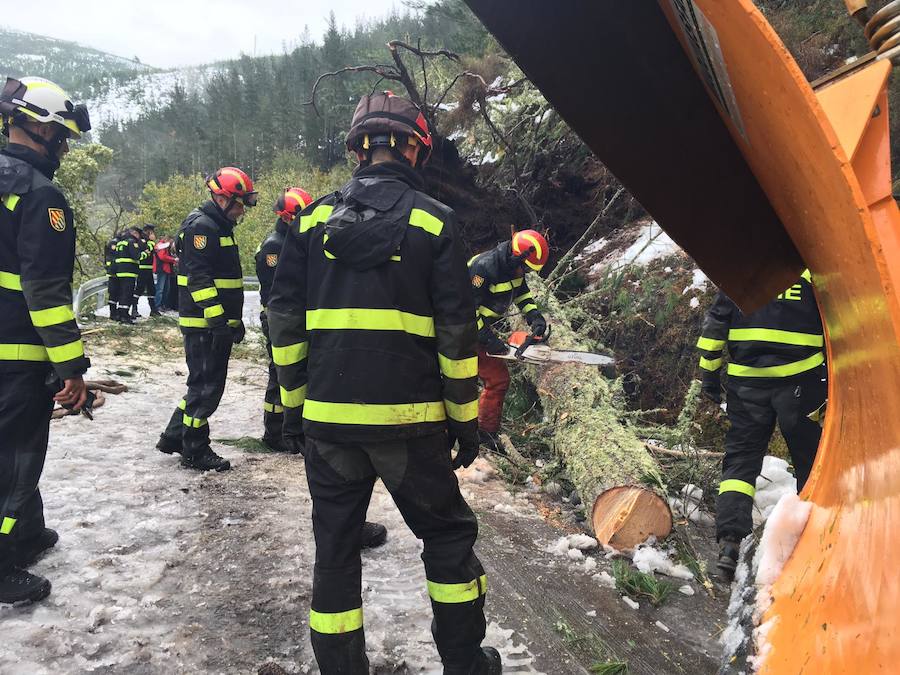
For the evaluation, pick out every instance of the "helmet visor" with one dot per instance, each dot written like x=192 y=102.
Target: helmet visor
x=249 y=199
x=78 y=115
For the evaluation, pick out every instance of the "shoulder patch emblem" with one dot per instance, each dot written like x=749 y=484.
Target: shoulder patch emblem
x=271 y=259
x=57 y=219
x=199 y=241
x=477 y=281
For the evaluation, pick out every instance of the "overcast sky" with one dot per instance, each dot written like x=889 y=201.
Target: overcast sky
x=187 y=32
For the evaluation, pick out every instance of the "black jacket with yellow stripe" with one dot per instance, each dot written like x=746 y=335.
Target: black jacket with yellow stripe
x=210 y=280
x=267 y=260
x=781 y=340
x=126 y=257
x=371 y=317
x=497 y=280
x=37 y=257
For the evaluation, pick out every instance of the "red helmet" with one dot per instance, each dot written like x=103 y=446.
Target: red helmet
x=379 y=116
x=292 y=202
x=233 y=183
x=531 y=247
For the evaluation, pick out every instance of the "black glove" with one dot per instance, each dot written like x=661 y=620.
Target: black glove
x=467 y=453
x=537 y=322
x=711 y=388
x=296 y=444
x=292 y=430
x=264 y=323
x=495 y=345
x=221 y=338
x=238 y=333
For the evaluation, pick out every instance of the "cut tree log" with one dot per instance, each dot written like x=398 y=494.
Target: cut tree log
x=600 y=453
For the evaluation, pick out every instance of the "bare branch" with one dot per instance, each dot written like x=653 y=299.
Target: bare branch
x=393 y=44
x=385 y=72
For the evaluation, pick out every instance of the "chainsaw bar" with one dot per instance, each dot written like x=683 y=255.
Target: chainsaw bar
x=538 y=354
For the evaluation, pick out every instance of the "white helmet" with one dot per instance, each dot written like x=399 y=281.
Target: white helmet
x=42 y=101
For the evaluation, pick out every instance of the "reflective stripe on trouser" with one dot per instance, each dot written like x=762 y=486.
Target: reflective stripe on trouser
x=494 y=374
x=207 y=372
x=273 y=415
x=752 y=415
x=418 y=475
x=25 y=405
x=125 y=293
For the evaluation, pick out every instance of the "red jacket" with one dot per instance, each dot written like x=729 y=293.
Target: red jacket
x=164 y=261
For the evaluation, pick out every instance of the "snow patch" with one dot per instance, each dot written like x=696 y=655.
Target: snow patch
x=631 y=603
x=604 y=579
x=647 y=558
x=774 y=482
x=783 y=530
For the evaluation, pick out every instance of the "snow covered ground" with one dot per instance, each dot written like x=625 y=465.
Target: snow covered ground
x=164 y=570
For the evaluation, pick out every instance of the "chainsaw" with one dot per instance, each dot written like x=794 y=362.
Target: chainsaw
x=530 y=348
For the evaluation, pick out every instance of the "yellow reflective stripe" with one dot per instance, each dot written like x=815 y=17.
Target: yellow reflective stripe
x=352 y=318
x=457 y=593
x=458 y=369
x=485 y=311
x=7 y=525
x=52 y=316
x=372 y=413
x=395 y=258
x=527 y=308
x=126 y=260
x=204 y=294
x=806 y=275
x=182 y=280
x=710 y=364
x=192 y=322
x=462 y=412
x=66 y=352
x=23 y=353
x=293 y=398
x=335 y=623
x=426 y=221
x=10 y=281
x=319 y=215
x=234 y=323
x=126 y=275
x=479 y=323
x=523 y=297
x=182 y=404
x=734 y=485
x=785 y=370
x=229 y=283
x=11 y=201
x=193 y=422
x=508 y=286
x=328 y=254
x=288 y=356
x=709 y=344
x=213 y=312
x=226 y=241
x=272 y=407
x=784 y=337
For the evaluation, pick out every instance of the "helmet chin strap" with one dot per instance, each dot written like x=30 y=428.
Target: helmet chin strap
x=231 y=202
x=52 y=145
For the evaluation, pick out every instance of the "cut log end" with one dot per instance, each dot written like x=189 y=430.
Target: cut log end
x=626 y=515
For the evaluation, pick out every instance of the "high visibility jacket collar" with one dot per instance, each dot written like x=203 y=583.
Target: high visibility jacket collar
x=396 y=170
x=281 y=227
x=499 y=263
x=46 y=166
x=210 y=209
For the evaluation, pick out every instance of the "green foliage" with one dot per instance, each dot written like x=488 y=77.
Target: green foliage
x=635 y=583
x=610 y=668
x=167 y=203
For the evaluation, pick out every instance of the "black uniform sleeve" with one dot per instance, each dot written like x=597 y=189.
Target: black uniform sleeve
x=265 y=271
x=199 y=250
x=455 y=327
x=479 y=279
x=287 y=316
x=714 y=334
x=46 y=249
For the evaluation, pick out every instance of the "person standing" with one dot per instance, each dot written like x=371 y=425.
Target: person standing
x=145 y=286
x=39 y=339
x=211 y=302
x=166 y=285
x=112 y=281
x=498 y=281
x=776 y=373
x=127 y=261
x=288 y=205
x=372 y=310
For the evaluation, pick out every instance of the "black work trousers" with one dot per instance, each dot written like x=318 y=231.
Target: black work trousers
x=207 y=372
x=752 y=414
x=125 y=296
x=25 y=407
x=112 y=291
x=273 y=411
x=418 y=475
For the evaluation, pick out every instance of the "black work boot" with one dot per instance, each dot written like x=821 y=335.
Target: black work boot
x=206 y=460
x=18 y=585
x=168 y=446
x=488 y=662
x=29 y=550
x=154 y=311
x=729 y=549
x=490 y=440
x=373 y=535
x=276 y=444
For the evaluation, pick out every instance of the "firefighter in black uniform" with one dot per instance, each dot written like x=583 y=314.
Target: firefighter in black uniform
x=289 y=204
x=40 y=344
x=498 y=280
x=210 y=305
x=372 y=311
x=127 y=261
x=112 y=281
x=145 y=286
x=776 y=373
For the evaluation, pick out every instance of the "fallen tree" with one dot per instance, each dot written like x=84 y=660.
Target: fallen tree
x=609 y=465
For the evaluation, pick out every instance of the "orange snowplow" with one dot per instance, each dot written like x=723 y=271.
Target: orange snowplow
x=700 y=110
